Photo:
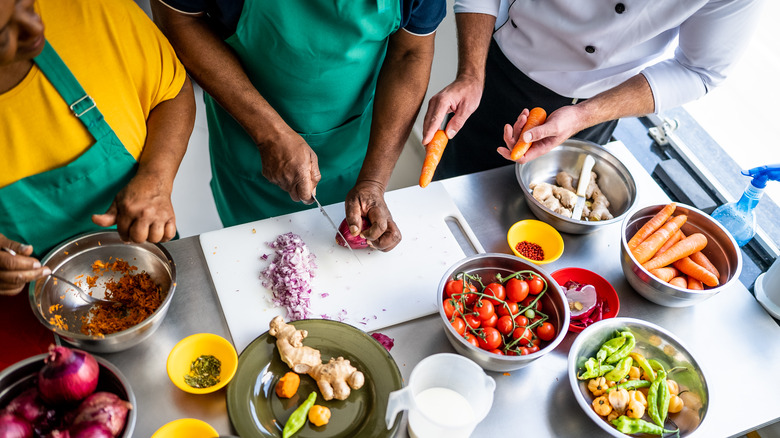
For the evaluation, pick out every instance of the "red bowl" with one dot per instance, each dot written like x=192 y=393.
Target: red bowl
x=604 y=290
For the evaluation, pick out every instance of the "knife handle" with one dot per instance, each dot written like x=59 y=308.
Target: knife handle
x=587 y=166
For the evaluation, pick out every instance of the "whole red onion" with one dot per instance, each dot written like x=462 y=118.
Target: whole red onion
x=68 y=376
x=103 y=408
x=12 y=426
x=354 y=242
x=27 y=406
x=89 y=430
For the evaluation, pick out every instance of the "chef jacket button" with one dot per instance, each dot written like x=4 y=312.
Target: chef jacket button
x=590 y=49
x=513 y=23
x=620 y=8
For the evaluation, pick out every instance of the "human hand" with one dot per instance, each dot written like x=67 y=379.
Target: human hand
x=461 y=97
x=559 y=126
x=142 y=211
x=17 y=267
x=366 y=199
x=290 y=163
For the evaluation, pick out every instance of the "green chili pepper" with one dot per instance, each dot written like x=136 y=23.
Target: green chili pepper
x=631 y=384
x=298 y=417
x=621 y=370
x=610 y=347
x=643 y=363
x=625 y=349
x=637 y=425
x=593 y=369
x=663 y=398
x=654 y=364
x=653 y=398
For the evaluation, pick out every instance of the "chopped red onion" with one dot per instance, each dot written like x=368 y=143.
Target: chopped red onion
x=289 y=275
x=383 y=339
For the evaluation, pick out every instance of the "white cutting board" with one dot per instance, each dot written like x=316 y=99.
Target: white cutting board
x=385 y=288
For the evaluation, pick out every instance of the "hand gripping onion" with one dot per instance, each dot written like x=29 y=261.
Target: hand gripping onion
x=68 y=375
x=354 y=242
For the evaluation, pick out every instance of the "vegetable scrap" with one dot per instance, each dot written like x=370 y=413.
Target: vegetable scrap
x=530 y=250
x=204 y=372
x=383 y=339
x=137 y=294
x=289 y=275
x=586 y=306
x=287 y=385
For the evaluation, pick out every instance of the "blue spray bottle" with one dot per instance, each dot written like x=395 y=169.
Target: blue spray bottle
x=739 y=217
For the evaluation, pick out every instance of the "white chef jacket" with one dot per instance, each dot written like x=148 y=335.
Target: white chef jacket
x=579 y=48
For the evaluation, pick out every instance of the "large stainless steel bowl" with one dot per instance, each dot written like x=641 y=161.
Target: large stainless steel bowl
x=76 y=257
x=22 y=375
x=653 y=342
x=554 y=304
x=614 y=179
x=722 y=250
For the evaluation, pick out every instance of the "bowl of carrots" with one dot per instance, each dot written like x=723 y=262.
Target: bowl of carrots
x=676 y=255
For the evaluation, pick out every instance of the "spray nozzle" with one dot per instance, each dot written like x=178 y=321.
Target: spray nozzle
x=762 y=174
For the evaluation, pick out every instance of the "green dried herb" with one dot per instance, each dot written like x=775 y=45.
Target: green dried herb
x=204 y=372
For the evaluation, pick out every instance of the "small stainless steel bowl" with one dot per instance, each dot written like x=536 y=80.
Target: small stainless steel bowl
x=653 y=342
x=76 y=257
x=614 y=179
x=722 y=250
x=487 y=265
x=23 y=375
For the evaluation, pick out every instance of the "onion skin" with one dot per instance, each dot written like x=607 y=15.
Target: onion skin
x=68 y=376
x=12 y=426
x=103 y=408
x=354 y=242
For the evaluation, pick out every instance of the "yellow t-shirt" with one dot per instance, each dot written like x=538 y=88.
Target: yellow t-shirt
x=118 y=56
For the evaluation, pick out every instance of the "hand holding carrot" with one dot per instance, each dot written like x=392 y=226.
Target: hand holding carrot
x=559 y=125
x=433 y=153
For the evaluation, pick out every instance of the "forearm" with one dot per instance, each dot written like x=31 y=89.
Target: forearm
x=169 y=127
x=474 y=34
x=401 y=86
x=216 y=68
x=632 y=98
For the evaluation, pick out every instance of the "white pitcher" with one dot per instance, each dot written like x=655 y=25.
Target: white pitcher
x=447 y=396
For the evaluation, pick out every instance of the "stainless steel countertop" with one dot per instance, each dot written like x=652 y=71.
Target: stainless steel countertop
x=731 y=335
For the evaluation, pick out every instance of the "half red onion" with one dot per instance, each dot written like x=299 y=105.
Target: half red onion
x=582 y=299
x=354 y=242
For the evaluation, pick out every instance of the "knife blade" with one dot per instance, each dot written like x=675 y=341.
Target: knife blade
x=333 y=224
x=582 y=186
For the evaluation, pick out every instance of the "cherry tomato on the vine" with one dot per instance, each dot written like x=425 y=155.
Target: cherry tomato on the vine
x=490 y=322
x=485 y=309
x=533 y=349
x=452 y=307
x=508 y=308
x=524 y=334
x=472 y=320
x=496 y=290
x=516 y=290
x=497 y=351
x=546 y=331
x=492 y=339
x=505 y=325
x=459 y=325
x=471 y=339
x=535 y=285
x=452 y=287
x=521 y=321
x=537 y=307
x=524 y=351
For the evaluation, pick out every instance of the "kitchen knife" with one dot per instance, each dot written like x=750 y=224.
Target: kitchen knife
x=333 y=224
x=582 y=186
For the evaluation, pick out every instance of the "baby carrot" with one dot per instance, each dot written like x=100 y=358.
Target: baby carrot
x=693 y=269
x=679 y=282
x=666 y=273
x=683 y=248
x=650 y=226
x=694 y=284
x=536 y=117
x=647 y=249
x=433 y=152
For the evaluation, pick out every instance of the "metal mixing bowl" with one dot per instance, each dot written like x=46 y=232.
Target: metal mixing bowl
x=22 y=375
x=653 y=342
x=722 y=250
x=614 y=179
x=76 y=257
x=554 y=304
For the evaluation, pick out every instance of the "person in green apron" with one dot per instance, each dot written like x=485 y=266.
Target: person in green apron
x=105 y=185
x=306 y=97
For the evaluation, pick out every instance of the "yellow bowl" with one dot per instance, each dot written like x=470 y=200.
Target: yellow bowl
x=190 y=348
x=537 y=232
x=186 y=427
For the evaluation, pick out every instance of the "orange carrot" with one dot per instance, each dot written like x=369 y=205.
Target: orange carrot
x=694 y=284
x=433 y=152
x=647 y=249
x=683 y=248
x=693 y=269
x=666 y=273
x=650 y=226
x=705 y=263
x=679 y=282
x=536 y=117
x=676 y=237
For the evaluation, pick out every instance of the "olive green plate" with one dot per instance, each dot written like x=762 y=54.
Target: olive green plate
x=256 y=411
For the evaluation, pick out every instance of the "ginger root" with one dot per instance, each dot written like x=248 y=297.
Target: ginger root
x=555 y=198
x=596 y=207
x=334 y=378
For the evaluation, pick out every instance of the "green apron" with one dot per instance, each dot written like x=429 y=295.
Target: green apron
x=317 y=64
x=44 y=209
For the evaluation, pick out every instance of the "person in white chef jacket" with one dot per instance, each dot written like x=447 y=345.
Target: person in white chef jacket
x=586 y=62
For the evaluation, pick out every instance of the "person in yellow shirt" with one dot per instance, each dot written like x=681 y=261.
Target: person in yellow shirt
x=95 y=115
